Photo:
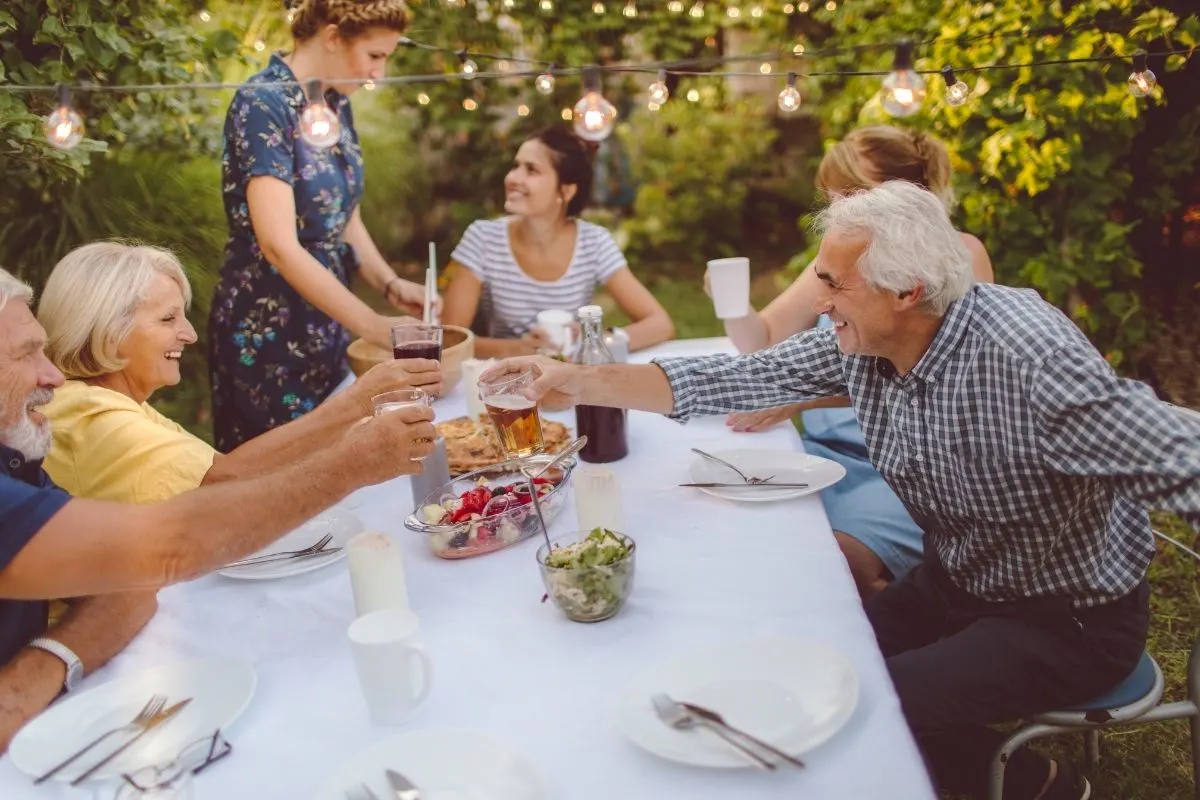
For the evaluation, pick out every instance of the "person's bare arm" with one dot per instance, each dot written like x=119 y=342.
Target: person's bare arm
x=459 y=308
x=96 y=629
x=651 y=322
x=404 y=295
x=325 y=424
x=94 y=547
x=273 y=215
x=794 y=310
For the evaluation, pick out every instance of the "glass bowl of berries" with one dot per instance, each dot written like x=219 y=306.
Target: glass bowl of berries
x=491 y=508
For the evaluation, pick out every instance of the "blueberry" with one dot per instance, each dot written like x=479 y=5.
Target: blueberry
x=460 y=540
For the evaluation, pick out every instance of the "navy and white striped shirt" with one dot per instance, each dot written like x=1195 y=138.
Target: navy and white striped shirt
x=511 y=299
x=1022 y=455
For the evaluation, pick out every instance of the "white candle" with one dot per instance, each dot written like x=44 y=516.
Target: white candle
x=376 y=573
x=472 y=368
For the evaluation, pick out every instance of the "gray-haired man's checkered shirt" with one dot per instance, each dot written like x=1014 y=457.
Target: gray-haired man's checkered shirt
x=1024 y=458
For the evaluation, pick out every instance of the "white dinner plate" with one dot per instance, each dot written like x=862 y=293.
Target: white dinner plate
x=336 y=521
x=792 y=694
x=220 y=689
x=781 y=466
x=444 y=764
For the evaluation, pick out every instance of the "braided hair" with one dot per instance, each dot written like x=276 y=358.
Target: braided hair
x=352 y=17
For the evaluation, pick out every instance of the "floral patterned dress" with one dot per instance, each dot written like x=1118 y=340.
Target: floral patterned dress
x=272 y=355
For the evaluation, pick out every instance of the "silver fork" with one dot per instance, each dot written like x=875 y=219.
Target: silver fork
x=152 y=709
x=362 y=793
x=724 y=463
x=675 y=715
x=317 y=549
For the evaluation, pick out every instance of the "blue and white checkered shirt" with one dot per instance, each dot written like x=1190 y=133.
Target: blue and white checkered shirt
x=1025 y=459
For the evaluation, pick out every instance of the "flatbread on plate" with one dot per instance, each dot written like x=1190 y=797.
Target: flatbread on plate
x=473 y=444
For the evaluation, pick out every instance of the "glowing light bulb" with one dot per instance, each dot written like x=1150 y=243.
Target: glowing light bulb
x=598 y=8
x=469 y=104
x=259 y=45
x=798 y=49
x=546 y=5
x=291 y=16
x=423 y=99
x=319 y=126
x=510 y=3
x=657 y=92
x=630 y=9
x=789 y=98
x=802 y=7
x=522 y=110
x=756 y=12
x=765 y=68
x=594 y=117
x=567 y=114
x=653 y=106
x=204 y=15
x=544 y=83
x=1141 y=81
x=734 y=12
x=903 y=89
x=675 y=7
x=64 y=126
x=697 y=10
x=369 y=85
x=957 y=92
x=693 y=95
x=789 y=8
x=467 y=67
x=503 y=65
x=831 y=5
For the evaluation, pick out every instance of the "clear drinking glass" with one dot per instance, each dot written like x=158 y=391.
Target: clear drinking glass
x=418 y=340
x=515 y=416
x=398 y=399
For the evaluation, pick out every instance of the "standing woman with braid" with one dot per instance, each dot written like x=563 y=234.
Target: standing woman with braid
x=282 y=313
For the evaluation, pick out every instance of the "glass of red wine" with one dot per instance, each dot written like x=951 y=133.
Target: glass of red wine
x=417 y=340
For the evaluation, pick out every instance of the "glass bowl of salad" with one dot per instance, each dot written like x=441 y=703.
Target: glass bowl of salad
x=589 y=574
x=490 y=508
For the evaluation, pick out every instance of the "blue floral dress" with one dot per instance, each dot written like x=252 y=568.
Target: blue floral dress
x=272 y=355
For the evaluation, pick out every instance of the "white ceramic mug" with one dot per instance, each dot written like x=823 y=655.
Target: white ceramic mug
x=394 y=671
x=557 y=325
x=376 y=573
x=729 y=282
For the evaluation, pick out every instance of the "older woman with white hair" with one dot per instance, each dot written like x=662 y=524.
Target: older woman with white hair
x=115 y=322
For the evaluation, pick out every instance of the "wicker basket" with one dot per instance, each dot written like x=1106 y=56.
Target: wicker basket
x=458 y=344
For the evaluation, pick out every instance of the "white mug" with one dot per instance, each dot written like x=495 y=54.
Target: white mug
x=557 y=325
x=386 y=657
x=376 y=573
x=729 y=282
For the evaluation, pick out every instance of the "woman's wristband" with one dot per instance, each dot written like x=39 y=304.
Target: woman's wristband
x=387 y=288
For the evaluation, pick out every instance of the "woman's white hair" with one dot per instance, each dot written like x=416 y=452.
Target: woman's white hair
x=88 y=305
x=13 y=288
x=910 y=242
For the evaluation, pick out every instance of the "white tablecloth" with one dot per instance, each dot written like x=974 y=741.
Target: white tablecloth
x=708 y=571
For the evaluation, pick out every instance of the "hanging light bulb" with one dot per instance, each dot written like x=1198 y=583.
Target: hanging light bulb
x=522 y=110
x=64 y=126
x=657 y=92
x=764 y=68
x=789 y=8
x=734 y=12
x=546 y=5
x=1141 y=80
x=789 y=98
x=903 y=88
x=467 y=67
x=291 y=16
x=675 y=7
x=957 y=92
x=594 y=116
x=259 y=45
x=831 y=5
x=369 y=85
x=756 y=12
x=423 y=99
x=319 y=126
x=798 y=49
x=802 y=7
x=567 y=114
x=693 y=95
x=630 y=9
x=697 y=9
x=469 y=104
x=509 y=3
x=598 y=7
x=544 y=83
x=653 y=106
x=204 y=15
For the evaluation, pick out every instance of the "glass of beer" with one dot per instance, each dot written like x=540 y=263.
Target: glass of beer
x=398 y=399
x=418 y=340
x=514 y=415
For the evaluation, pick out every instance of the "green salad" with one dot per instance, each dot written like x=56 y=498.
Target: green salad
x=590 y=579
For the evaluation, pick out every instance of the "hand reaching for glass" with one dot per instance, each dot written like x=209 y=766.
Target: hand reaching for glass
x=384 y=446
x=556 y=385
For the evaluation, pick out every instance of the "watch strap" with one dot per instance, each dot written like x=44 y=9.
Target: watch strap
x=66 y=655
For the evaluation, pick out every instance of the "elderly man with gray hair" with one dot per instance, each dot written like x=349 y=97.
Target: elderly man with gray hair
x=53 y=545
x=1027 y=462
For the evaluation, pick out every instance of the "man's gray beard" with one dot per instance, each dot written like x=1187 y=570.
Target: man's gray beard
x=27 y=438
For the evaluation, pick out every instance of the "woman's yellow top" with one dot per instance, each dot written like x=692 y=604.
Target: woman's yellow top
x=109 y=447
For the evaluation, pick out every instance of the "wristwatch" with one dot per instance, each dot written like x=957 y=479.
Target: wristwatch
x=67 y=656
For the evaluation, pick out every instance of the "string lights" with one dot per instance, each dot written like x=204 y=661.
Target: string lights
x=903 y=88
x=319 y=126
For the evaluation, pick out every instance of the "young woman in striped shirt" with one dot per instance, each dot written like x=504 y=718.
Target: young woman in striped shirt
x=542 y=256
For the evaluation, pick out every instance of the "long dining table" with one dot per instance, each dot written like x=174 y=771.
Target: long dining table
x=709 y=571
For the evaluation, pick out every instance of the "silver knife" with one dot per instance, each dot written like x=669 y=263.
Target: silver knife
x=747 y=485
x=402 y=786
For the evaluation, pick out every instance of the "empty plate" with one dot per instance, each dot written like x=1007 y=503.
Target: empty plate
x=781 y=466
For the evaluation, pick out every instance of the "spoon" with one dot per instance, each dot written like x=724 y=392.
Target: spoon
x=571 y=449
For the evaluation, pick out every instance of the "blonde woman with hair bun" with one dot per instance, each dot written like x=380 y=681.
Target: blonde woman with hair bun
x=283 y=313
x=877 y=536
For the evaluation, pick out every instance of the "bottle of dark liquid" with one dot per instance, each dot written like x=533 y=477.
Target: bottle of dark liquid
x=604 y=427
